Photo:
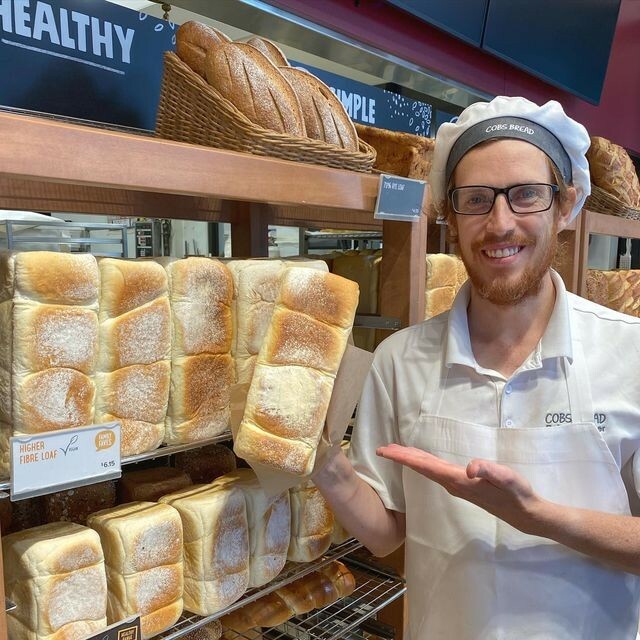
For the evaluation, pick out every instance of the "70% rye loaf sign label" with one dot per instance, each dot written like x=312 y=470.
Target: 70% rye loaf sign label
x=58 y=460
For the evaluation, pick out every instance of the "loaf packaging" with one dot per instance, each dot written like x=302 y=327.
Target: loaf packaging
x=269 y=522
x=48 y=343
x=55 y=575
x=299 y=358
x=135 y=340
x=216 y=546
x=202 y=368
x=142 y=543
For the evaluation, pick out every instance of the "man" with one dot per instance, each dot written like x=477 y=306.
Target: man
x=476 y=441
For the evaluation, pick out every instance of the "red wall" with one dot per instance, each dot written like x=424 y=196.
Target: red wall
x=617 y=117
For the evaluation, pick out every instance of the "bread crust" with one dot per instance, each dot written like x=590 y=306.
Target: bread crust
x=194 y=40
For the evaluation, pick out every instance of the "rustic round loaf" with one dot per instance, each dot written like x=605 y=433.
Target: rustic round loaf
x=325 y=118
x=193 y=40
x=612 y=170
x=269 y=49
x=246 y=77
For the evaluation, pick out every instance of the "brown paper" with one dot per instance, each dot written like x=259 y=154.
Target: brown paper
x=347 y=387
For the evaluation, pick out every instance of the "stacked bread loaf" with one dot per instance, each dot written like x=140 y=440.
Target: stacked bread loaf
x=216 y=546
x=151 y=484
x=256 y=78
x=76 y=505
x=135 y=343
x=312 y=523
x=269 y=522
x=315 y=590
x=299 y=358
x=399 y=153
x=206 y=464
x=256 y=284
x=48 y=343
x=445 y=275
x=55 y=575
x=613 y=171
x=201 y=291
x=142 y=543
x=619 y=290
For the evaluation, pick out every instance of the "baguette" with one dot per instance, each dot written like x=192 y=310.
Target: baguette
x=249 y=80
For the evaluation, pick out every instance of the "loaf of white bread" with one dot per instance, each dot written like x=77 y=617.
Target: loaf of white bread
x=202 y=369
x=142 y=543
x=312 y=523
x=48 y=343
x=295 y=371
x=55 y=574
x=216 y=546
x=445 y=275
x=363 y=268
x=316 y=590
x=256 y=284
x=269 y=522
x=135 y=341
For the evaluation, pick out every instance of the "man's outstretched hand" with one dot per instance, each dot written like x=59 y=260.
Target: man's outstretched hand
x=494 y=487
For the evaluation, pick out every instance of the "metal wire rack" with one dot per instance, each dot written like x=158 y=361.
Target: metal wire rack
x=372 y=593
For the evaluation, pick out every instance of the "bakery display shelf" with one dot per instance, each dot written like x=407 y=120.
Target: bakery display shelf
x=374 y=591
x=292 y=571
x=160 y=452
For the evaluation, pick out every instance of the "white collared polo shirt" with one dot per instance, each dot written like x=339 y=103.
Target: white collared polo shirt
x=429 y=370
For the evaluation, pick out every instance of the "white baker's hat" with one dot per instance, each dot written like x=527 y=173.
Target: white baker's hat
x=548 y=127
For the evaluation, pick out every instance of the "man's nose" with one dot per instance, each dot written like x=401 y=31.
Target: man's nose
x=500 y=217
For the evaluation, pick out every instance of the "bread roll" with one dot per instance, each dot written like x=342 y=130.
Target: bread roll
x=55 y=574
x=269 y=521
x=216 y=546
x=206 y=464
x=210 y=631
x=256 y=285
x=150 y=484
x=48 y=343
x=613 y=170
x=298 y=359
x=202 y=370
x=311 y=523
x=399 y=153
x=313 y=591
x=194 y=40
x=135 y=342
x=324 y=116
x=75 y=505
x=142 y=543
x=249 y=80
x=269 y=50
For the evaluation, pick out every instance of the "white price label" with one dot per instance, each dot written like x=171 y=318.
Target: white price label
x=58 y=460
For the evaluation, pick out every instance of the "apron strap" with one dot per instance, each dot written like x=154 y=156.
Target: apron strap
x=578 y=385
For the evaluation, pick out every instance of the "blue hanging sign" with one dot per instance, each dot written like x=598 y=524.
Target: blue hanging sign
x=377 y=107
x=86 y=59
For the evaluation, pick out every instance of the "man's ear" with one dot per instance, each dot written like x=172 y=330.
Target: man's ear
x=566 y=207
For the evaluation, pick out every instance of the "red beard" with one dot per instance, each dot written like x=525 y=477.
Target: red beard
x=513 y=291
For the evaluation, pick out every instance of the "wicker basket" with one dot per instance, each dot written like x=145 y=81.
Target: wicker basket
x=603 y=202
x=190 y=110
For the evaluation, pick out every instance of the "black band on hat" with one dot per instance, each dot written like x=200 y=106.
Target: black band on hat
x=511 y=127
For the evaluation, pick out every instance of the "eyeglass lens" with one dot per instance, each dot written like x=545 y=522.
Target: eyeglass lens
x=522 y=198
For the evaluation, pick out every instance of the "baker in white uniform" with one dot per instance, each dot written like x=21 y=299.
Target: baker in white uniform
x=497 y=440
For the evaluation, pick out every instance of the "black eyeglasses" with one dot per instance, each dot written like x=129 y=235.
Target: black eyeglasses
x=476 y=200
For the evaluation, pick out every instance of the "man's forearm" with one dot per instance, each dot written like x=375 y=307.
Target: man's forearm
x=358 y=507
x=609 y=538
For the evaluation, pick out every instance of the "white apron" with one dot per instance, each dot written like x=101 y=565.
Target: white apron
x=473 y=577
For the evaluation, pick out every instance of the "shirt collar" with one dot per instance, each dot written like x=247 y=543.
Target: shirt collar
x=555 y=343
